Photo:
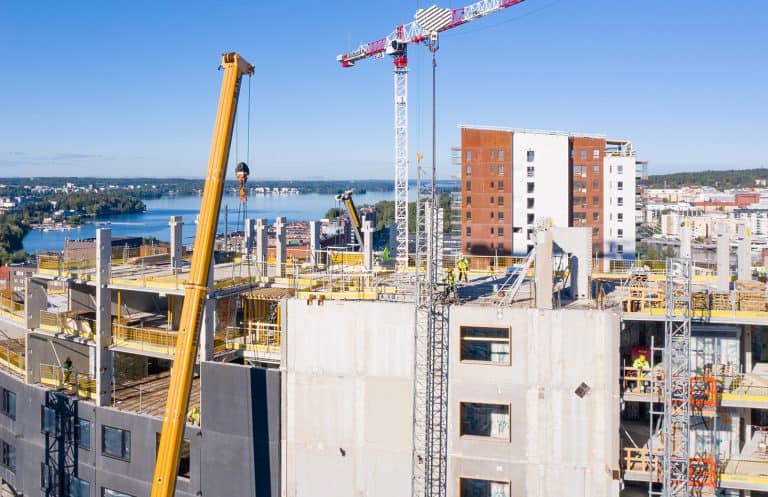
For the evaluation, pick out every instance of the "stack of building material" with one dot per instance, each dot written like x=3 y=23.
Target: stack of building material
x=750 y=296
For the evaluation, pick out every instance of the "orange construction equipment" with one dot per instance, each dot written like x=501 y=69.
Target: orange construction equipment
x=703 y=391
x=196 y=288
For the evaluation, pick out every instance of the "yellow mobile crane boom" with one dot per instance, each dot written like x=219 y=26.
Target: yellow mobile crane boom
x=196 y=288
x=357 y=225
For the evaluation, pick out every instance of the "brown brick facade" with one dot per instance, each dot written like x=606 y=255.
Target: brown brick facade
x=586 y=181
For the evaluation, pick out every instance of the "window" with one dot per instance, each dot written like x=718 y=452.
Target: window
x=595 y=200
x=493 y=154
x=620 y=233
x=500 y=185
x=485 y=420
x=583 y=154
x=531 y=187
x=469 y=170
x=530 y=171
x=501 y=169
x=84 y=433
x=491 y=229
x=491 y=199
x=469 y=200
x=595 y=216
x=491 y=214
x=485 y=344
x=116 y=442
x=184 y=456
x=79 y=488
x=579 y=170
x=595 y=231
x=492 y=185
x=596 y=153
x=8 y=456
x=619 y=169
x=474 y=487
x=579 y=218
x=468 y=231
x=620 y=185
x=620 y=217
x=596 y=184
x=501 y=200
x=596 y=248
x=108 y=492
x=596 y=168
x=469 y=248
x=529 y=220
x=500 y=156
x=9 y=403
x=469 y=216
x=469 y=185
x=492 y=169
x=530 y=155
x=47 y=420
x=469 y=155
x=620 y=201
x=530 y=203
x=500 y=231
x=620 y=248
x=501 y=216
x=579 y=185
x=580 y=202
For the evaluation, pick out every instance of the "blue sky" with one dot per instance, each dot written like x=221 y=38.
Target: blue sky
x=130 y=88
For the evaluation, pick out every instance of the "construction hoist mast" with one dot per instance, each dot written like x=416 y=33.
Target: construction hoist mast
x=196 y=288
x=676 y=412
x=427 y=21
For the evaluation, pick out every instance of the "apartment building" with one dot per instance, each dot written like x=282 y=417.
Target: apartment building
x=513 y=179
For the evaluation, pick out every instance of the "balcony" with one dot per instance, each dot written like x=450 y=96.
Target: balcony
x=12 y=356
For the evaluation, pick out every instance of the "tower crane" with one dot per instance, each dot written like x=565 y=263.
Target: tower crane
x=196 y=288
x=423 y=29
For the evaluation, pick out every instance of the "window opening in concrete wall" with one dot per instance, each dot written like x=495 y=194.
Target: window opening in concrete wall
x=9 y=456
x=501 y=154
x=485 y=344
x=531 y=187
x=47 y=420
x=116 y=442
x=475 y=487
x=84 y=433
x=9 y=403
x=530 y=203
x=183 y=456
x=531 y=170
x=485 y=420
x=108 y=492
x=530 y=156
x=78 y=487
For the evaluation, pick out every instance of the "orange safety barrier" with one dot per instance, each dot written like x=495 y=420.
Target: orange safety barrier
x=703 y=391
x=701 y=472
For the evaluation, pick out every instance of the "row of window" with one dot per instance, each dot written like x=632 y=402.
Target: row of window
x=499 y=200
x=499 y=231
x=584 y=152
x=476 y=487
x=499 y=185
x=8 y=456
x=493 y=154
x=493 y=169
x=493 y=245
x=499 y=216
x=8 y=403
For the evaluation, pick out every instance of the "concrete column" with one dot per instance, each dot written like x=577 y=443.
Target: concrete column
x=543 y=269
x=176 y=224
x=746 y=346
x=723 y=258
x=104 y=359
x=685 y=240
x=261 y=246
x=368 y=245
x=314 y=242
x=280 y=246
x=208 y=325
x=35 y=300
x=744 y=254
x=248 y=236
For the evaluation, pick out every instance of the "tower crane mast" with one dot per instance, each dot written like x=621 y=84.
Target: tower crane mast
x=428 y=23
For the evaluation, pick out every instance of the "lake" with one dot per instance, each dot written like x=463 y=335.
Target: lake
x=154 y=222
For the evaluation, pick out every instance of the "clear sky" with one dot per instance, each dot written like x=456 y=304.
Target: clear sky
x=130 y=88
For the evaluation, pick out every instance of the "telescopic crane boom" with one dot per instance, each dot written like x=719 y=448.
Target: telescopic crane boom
x=357 y=225
x=196 y=288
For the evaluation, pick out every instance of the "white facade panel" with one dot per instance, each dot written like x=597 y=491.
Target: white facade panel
x=547 y=171
x=619 y=207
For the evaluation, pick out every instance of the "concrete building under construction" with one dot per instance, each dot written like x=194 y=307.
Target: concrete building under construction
x=305 y=380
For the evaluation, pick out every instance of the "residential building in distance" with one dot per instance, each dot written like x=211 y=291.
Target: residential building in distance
x=514 y=179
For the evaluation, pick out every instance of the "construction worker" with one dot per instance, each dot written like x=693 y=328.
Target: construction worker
x=66 y=366
x=193 y=416
x=463 y=266
x=641 y=365
x=450 y=285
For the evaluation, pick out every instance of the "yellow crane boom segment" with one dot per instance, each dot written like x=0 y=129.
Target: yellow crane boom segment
x=174 y=418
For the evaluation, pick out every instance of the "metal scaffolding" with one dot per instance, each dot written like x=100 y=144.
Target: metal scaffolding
x=401 y=169
x=676 y=408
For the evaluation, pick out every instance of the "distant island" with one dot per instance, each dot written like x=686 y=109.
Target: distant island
x=724 y=180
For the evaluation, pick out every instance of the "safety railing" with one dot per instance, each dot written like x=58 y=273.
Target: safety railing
x=147 y=339
x=640 y=380
x=68 y=324
x=12 y=360
x=638 y=460
x=11 y=309
x=255 y=337
x=744 y=389
x=58 y=377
